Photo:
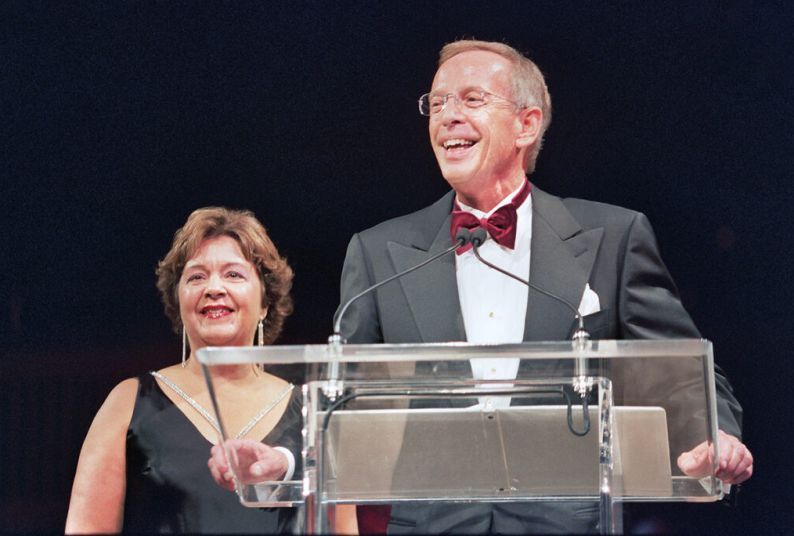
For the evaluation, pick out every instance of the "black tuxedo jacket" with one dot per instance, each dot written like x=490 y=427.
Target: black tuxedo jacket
x=574 y=242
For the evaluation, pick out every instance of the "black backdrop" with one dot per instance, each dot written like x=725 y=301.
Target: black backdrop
x=119 y=118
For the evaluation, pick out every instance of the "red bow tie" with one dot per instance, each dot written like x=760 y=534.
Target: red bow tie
x=501 y=225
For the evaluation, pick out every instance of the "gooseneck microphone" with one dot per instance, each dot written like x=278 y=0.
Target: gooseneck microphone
x=335 y=340
x=480 y=235
x=462 y=237
x=580 y=337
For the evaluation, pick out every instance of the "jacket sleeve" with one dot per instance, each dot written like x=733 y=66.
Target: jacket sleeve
x=650 y=308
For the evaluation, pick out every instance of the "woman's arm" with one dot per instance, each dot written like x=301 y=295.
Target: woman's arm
x=97 y=503
x=346 y=521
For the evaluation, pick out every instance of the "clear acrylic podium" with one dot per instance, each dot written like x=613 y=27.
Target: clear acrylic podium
x=604 y=421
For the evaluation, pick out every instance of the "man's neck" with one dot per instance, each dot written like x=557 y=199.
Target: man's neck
x=485 y=199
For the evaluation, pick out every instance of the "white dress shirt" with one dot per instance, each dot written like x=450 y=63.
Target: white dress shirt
x=494 y=306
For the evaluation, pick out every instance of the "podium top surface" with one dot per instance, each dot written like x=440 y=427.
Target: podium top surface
x=452 y=351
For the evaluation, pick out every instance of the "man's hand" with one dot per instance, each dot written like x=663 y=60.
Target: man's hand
x=255 y=461
x=735 y=463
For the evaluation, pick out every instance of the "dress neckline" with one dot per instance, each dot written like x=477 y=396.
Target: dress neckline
x=190 y=423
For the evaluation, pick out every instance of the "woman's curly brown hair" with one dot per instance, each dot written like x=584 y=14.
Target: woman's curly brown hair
x=274 y=272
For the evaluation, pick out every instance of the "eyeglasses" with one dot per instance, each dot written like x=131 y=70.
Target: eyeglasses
x=433 y=104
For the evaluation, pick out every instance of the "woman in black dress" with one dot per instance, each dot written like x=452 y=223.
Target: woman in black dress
x=143 y=465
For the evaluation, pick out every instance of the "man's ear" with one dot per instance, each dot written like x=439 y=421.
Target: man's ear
x=530 y=122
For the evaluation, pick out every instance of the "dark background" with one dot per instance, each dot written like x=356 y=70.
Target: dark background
x=120 y=118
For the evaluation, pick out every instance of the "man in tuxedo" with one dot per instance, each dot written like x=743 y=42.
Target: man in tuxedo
x=488 y=109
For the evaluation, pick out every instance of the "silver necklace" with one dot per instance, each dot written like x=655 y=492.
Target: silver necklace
x=210 y=419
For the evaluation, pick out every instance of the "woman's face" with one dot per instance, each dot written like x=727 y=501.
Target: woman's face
x=220 y=295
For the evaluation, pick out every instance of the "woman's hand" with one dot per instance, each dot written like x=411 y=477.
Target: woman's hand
x=254 y=462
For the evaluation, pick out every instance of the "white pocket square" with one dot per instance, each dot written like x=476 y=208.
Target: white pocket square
x=590 y=303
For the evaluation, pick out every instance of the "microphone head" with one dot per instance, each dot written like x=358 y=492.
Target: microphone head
x=463 y=236
x=478 y=236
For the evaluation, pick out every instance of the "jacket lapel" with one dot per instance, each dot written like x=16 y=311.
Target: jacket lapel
x=431 y=291
x=560 y=263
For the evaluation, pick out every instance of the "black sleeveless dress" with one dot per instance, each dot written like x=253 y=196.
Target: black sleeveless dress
x=169 y=487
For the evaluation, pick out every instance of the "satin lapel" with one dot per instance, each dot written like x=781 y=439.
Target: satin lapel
x=561 y=260
x=431 y=291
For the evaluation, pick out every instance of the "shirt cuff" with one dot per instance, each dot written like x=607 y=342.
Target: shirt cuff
x=290 y=462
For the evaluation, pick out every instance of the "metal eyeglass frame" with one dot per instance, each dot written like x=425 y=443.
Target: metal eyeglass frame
x=463 y=104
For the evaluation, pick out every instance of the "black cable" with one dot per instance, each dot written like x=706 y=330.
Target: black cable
x=585 y=416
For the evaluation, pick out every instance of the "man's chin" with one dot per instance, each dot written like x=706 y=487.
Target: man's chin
x=455 y=176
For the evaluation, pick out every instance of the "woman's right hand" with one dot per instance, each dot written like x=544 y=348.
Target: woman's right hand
x=254 y=462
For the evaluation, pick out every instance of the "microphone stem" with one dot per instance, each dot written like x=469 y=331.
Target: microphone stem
x=341 y=313
x=333 y=388
x=580 y=322
x=580 y=337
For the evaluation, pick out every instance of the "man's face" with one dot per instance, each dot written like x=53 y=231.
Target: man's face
x=476 y=148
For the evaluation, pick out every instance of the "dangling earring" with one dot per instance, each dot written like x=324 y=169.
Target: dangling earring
x=184 y=348
x=261 y=332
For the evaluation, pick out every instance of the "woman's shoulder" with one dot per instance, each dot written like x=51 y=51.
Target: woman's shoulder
x=121 y=398
x=172 y=370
